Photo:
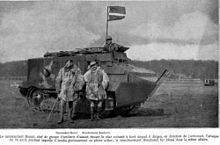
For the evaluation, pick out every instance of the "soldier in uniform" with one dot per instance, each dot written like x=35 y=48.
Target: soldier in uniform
x=68 y=82
x=109 y=46
x=96 y=83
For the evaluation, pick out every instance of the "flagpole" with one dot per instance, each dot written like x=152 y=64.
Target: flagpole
x=106 y=35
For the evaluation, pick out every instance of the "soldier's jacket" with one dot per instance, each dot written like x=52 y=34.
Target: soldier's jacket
x=95 y=80
x=112 y=47
x=69 y=81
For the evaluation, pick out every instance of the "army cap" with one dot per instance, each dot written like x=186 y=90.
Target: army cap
x=92 y=63
x=108 y=37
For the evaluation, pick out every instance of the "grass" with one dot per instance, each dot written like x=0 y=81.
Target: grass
x=174 y=104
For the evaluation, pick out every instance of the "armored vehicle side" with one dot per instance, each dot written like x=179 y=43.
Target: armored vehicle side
x=129 y=85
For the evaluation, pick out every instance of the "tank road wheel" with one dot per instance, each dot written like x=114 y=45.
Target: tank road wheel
x=35 y=97
x=30 y=89
x=48 y=104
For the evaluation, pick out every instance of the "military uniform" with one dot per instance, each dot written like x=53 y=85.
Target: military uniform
x=111 y=47
x=96 y=83
x=68 y=82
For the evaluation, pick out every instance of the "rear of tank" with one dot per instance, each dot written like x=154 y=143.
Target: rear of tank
x=42 y=72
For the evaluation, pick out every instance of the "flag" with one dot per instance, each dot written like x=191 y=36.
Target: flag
x=116 y=13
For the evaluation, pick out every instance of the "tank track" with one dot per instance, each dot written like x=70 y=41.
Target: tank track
x=47 y=105
x=39 y=101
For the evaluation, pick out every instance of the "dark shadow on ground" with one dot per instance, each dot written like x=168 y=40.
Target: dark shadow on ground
x=140 y=112
x=146 y=112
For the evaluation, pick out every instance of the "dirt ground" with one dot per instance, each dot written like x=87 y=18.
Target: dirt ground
x=183 y=103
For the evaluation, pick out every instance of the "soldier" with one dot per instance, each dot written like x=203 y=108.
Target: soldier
x=109 y=46
x=68 y=82
x=96 y=83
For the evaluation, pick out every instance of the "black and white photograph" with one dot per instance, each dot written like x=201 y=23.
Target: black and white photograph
x=109 y=64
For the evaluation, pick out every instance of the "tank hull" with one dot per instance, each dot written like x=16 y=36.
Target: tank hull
x=128 y=86
x=129 y=93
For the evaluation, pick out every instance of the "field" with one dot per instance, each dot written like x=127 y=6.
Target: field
x=174 y=104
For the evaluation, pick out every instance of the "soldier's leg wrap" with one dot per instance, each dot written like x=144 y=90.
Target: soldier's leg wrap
x=62 y=105
x=70 y=112
x=75 y=102
x=92 y=106
x=99 y=109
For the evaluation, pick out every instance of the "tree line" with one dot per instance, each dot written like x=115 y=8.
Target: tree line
x=12 y=69
x=189 y=68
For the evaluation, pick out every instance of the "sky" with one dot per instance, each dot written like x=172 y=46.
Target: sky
x=166 y=29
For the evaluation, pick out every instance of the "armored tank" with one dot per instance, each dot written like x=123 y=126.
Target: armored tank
x=129 y=86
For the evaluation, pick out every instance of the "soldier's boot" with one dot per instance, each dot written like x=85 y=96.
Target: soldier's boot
x=92 y=113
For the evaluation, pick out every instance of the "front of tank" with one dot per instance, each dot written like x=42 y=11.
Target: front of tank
x=131 y=85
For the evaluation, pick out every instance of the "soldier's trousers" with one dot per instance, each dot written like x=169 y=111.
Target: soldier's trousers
x=71 y=107
x=95 y=103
